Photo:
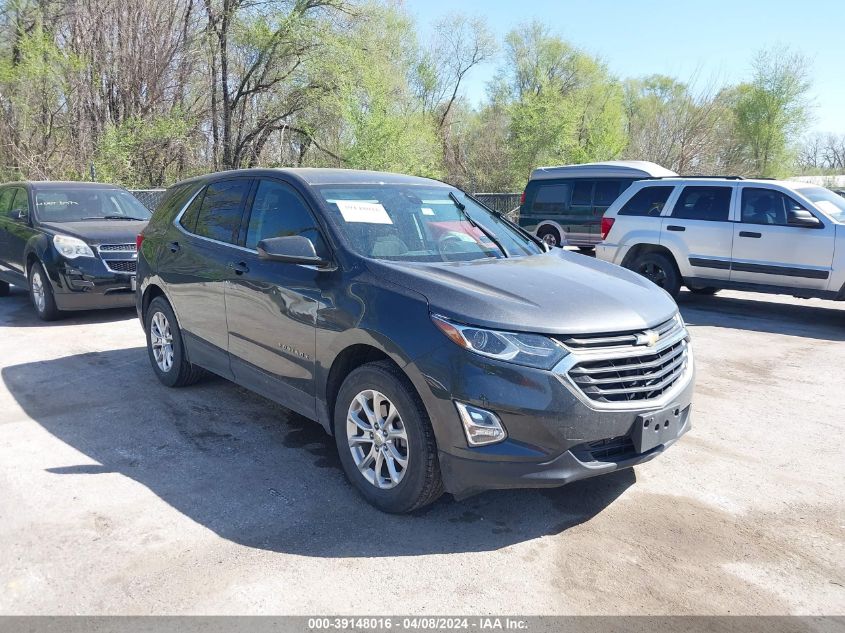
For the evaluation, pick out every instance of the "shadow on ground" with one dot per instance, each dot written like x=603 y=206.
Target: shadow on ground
x=257 y=474
x=817 y=319
x=17 y=311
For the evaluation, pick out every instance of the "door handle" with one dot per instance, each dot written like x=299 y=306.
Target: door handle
x=675 y=227
x=240 y=268
x=750 y=234
x=174 y=247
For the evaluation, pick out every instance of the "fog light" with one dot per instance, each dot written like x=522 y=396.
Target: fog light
x=480 y=426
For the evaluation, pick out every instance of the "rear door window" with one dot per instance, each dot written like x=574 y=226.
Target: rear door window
x=219 y=216
x=551 y=198
x=704 y=203
x=647 y=201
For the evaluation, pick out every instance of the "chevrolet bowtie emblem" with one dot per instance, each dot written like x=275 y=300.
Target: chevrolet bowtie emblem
x=648 y=338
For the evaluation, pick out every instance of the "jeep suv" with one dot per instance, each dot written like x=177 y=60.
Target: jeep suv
x=441 y=345
x=711 y=233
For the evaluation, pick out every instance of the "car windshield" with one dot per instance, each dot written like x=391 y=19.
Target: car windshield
x=831 y=203
x=78 y=205
x=421 y=224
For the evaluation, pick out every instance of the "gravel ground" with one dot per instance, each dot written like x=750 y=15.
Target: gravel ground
x=119 y=496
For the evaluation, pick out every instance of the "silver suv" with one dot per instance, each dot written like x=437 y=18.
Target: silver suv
x=711 y=233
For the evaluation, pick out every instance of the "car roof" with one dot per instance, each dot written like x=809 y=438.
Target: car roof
x=607 y=169
x=322 y=176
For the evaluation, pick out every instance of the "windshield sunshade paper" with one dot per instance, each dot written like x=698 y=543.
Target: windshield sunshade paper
x=364 y=212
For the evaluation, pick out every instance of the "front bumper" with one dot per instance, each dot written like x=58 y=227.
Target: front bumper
x=86 y=284
x=555 y=434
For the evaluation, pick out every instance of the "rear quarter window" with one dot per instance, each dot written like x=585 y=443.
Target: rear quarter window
x=648 y=201
x=551 y=198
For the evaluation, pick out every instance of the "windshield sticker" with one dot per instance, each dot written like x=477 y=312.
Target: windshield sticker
x=360 y=211
x=427 y=211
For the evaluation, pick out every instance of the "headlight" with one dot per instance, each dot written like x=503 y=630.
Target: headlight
x=71 y=247
x=532 y=350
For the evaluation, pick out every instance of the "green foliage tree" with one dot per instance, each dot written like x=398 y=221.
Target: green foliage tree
x=771 y=110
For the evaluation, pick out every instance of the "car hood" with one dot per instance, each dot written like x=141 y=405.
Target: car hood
x=554 y=293
x=99 y=232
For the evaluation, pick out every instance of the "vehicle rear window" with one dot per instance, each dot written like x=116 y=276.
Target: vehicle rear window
x=551 y=198
x=219 y=216
x=704 y=203
x=647 y=201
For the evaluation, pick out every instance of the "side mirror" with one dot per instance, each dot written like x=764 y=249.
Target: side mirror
x=294 y=249
x=803 y=218
x=21 y=216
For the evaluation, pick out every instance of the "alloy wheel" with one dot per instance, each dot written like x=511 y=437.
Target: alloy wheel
x=38 y=292
x=654 y=273
x=550 y=239
x=377 y=439
x=161 y=340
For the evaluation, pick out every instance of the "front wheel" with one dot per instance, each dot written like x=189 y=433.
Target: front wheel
x=660 y=270
x=385 y=440
x=166 y=348
x=41 y=294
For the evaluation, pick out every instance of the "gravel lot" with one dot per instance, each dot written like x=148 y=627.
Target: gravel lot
x=119 y=496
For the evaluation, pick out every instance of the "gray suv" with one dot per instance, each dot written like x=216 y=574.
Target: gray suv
x=442 y=346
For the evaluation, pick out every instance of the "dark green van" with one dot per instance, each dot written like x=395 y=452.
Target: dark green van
x=564 y=205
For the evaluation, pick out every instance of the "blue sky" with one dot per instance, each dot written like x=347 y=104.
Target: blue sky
x=713 y=40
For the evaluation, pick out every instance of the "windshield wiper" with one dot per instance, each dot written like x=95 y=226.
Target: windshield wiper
x=463 y=209
x=115 y=217
x=504 y=218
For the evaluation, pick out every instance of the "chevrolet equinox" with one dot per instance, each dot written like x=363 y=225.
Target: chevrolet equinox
x=442 y=346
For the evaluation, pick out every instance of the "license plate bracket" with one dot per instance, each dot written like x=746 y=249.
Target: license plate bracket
x=656 y=428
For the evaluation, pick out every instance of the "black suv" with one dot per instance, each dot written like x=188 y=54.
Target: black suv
x=71 y=243
x=441 y=345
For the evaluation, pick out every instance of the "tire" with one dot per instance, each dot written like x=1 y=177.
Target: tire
x=550 y=235
x=707 y=290
x=177 y=371
x=399 y=489
x=41 y=294
x=4 y=289
x=660 y=270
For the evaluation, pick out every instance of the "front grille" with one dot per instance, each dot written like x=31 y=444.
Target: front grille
x=640 y=377
x=620 y=339
x=117 y=248
x=121 y=265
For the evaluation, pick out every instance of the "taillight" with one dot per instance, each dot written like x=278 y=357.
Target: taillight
x=139 y=239
x=522 y=199
x=606 y=225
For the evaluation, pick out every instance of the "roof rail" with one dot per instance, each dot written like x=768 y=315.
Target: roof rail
x=691 y=177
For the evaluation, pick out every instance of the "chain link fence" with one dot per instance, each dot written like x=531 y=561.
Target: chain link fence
x=507 y=203
x=150 y=198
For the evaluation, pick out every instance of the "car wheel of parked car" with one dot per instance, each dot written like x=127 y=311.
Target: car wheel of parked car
x=41 y=294
x=385 y=440
x=4 y=289
x=550 y=235
x=165 y=347
x=707 y=290
x=660 y=270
